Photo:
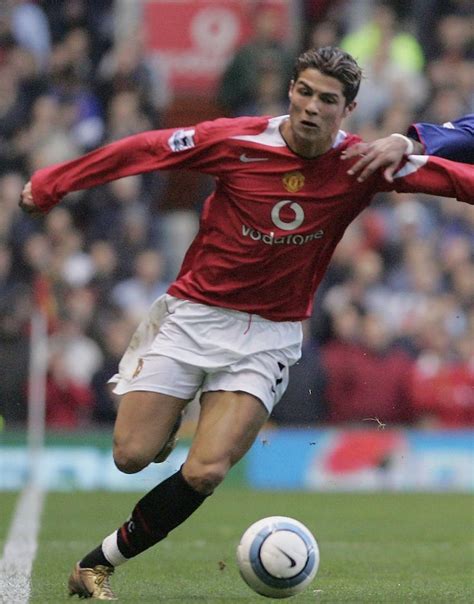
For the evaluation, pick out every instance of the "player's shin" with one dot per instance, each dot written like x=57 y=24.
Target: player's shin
x=160 y=511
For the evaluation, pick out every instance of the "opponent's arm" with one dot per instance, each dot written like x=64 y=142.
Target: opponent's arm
x=385 y=152
x=453 y=140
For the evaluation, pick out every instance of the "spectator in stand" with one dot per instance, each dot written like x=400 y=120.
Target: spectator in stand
x=58 y=227
x=47 y=134
x=6 y=276
x=14 y=229
x=115 y=335
x=323 y=33
x=442 y=379
x=453 y=67
x=445 y=102
x=31 y=80
x=453 y=224
x=37 y=255
x=264 y=56
x=304 y=403
x=135 y=295
x=80 y=354
x=13 y=108
x=15 y=311
x=77 y=50
x=126 y=115
x=123 y=201
x=462 y=281
x=362 y=285
x=368 y=379
x=268 y=99
x=30 y=29
x=393 y=63
x=96 y=16
x=70 y=85
x=68 y=402
x=70 y=263
x=317 y=11
x=442 y=386
x=125 y=223
x=125 y=68
x=79 y=304
x=105 y=266
x=425 y=16
x=383 y=29
x=74 y=265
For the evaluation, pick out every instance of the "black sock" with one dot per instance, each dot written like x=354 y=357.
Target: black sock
x=94 y=558
x=160 y=511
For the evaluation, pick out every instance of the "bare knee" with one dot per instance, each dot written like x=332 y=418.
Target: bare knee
x=204 y=477
x=129 y=458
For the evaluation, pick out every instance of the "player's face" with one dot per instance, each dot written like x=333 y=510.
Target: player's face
x=317 y=108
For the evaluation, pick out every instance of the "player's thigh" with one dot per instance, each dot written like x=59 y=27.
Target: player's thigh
x=144 y=422
x=228 y=425
x=148 y=410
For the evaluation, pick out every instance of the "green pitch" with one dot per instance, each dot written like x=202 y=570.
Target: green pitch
x=376 y=548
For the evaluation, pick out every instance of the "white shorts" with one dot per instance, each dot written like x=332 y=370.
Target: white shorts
x=183 y=346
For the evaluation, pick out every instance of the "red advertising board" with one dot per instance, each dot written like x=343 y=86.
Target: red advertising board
x=194 y=39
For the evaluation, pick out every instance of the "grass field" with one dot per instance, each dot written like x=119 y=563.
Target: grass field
x=374 y=547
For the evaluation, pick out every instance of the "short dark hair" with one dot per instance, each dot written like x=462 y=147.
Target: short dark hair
x=334 y=62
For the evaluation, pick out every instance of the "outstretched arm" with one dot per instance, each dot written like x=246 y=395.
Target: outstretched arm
x=122 y=158
x=201 y=148
x=452 y=140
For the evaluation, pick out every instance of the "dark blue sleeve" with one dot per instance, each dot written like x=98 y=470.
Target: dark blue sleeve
x=452 y=140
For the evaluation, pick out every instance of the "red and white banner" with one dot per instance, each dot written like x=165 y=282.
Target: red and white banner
x=195 y=39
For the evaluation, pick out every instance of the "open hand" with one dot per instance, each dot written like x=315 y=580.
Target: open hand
x=385 y=153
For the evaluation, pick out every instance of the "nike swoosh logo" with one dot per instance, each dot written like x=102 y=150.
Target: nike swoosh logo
x=292 y=560
x=245 y=159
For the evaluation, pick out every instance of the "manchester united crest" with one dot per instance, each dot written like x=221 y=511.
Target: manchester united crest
x=293 y=181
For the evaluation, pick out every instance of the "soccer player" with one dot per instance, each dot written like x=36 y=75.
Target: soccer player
x=452 y=140
x=230 y=324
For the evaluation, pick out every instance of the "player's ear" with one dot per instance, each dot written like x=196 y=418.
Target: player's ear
x=349 y=108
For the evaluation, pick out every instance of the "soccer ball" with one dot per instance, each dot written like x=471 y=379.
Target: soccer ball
x=278 y=557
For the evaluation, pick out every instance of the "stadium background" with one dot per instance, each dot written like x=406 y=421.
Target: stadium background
x=382 y=402
x=388 y=369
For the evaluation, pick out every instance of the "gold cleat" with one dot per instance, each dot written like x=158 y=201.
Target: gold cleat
x=91 y=582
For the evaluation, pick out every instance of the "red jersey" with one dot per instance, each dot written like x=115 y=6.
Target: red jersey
x=268 y=231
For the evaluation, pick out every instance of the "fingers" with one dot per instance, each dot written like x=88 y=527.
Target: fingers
x=26 y=202
x=367 y=164
x=355 y=151
x=375 y=159
x=389 y=172
x=370 y=164
x=365 y=167
x=27 y=194
x=385 y=153
x=29 y=209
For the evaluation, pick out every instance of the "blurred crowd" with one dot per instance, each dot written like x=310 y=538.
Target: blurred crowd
x=392 y=337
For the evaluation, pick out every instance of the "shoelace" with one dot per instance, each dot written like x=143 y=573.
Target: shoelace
x=102 y=577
